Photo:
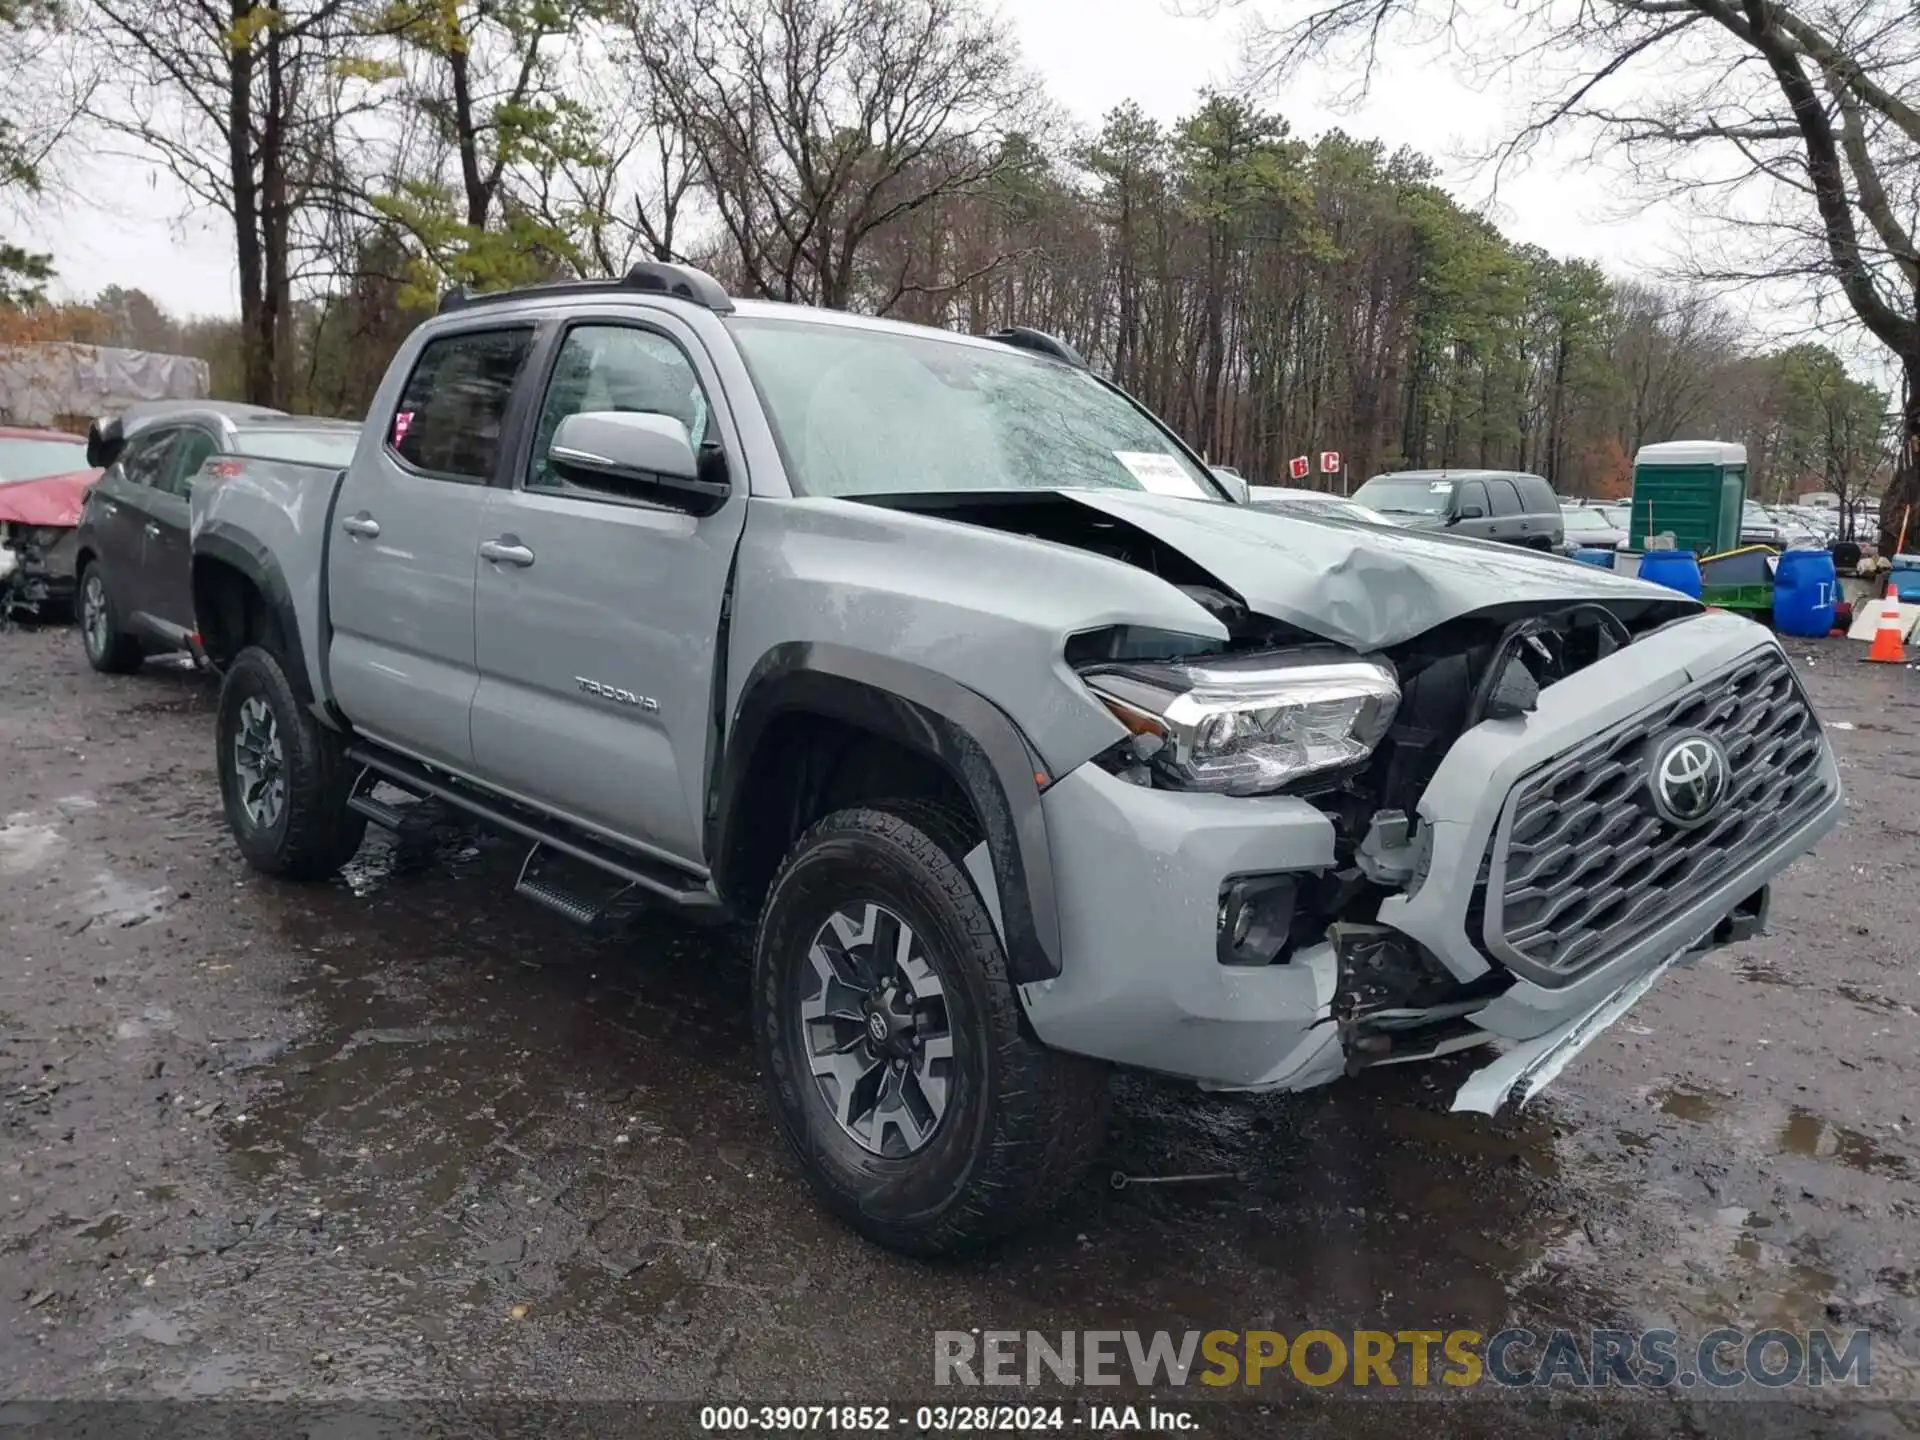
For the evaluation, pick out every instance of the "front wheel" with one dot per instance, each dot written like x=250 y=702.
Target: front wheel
x=284 y=777
x=899 y=1070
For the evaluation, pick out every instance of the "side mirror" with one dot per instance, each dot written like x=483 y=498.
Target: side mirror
x=105 y=440
x=1467 y=512
x=641 y=455
x=1235 y=484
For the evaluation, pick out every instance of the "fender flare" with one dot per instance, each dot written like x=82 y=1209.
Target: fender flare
x=963 y=732
x=231 y=547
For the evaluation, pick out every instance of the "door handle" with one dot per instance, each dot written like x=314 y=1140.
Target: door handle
x=109 y=507
x=507 y=550
x=153 y=530
x=363 y=525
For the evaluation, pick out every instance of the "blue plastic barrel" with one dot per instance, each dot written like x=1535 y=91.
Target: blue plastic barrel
x=1675 y=569
x=1594 y=555
x=1805 y=589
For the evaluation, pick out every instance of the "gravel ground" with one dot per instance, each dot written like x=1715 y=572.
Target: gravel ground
x=407 y=1136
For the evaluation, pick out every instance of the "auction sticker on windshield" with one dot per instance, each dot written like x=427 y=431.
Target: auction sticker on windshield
x=1162 y=474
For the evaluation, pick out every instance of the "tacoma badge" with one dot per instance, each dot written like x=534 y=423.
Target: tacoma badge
x=615 y=694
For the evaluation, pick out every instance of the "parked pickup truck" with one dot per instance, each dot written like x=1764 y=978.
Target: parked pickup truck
x=1029 y=751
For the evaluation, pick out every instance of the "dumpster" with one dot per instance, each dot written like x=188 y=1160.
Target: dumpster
x=1741 y=579
x=1694 y=490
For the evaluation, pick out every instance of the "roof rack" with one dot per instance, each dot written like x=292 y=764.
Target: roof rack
x=1040 y=342
x=655 y=277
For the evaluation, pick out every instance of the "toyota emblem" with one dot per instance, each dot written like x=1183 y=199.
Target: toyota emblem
x=1690 y=778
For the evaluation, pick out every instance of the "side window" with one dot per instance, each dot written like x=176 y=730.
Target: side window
x=144 y=461
x=615 y=367
x=1506 y=499
x=455 y=405
x=1472 y=496
x=189 y=454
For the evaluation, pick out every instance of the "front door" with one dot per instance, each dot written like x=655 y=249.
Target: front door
x=597 y=631
x=1472 y=508
x=122 y=504
x=401 y=558
x=167 y=558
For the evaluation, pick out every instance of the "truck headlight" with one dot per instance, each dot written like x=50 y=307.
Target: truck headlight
x=1247 y=725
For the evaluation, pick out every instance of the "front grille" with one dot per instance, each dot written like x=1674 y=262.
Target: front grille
x=1589 y=865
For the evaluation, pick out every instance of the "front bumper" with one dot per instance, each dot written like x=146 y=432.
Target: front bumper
x=1138 y=874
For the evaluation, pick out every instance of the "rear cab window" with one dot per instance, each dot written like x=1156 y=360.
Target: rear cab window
x=452 y=413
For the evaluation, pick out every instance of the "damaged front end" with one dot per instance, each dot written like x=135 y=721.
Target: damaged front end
x=1452 y=771
x=30 y=585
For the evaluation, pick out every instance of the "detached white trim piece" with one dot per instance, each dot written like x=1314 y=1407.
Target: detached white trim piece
x=1529 y=1067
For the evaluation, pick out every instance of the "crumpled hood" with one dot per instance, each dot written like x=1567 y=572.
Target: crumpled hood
x=50 y=500
x=1358 y=585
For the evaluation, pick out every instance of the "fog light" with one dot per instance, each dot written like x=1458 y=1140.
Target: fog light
x=1255 y=919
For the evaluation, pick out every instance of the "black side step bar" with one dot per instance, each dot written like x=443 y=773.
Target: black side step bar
x=638 y=871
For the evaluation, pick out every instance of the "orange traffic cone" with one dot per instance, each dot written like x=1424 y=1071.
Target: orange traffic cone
x=1886 y=639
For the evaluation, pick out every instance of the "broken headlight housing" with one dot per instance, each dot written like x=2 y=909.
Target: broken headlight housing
x=1252 y=724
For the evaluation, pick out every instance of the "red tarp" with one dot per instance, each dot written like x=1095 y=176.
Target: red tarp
x=54 y=500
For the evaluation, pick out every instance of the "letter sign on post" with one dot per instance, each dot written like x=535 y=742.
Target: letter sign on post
x=1297 y=467
x=1329 y=462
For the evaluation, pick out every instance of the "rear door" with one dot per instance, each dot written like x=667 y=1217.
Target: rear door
x=167 y=561
x=1509 y=516
x=597 y=639
x=401 y=558
x=1546 y=526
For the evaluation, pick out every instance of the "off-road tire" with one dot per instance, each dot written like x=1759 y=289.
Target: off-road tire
x=315 y=833
x=1022 y=1121
x=112 y=651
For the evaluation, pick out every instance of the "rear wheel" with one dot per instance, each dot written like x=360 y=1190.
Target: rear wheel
x=284 y=777
x=896 y=1061
x=110 y=649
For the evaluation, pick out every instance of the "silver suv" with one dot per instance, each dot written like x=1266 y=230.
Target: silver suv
x=1026 y=750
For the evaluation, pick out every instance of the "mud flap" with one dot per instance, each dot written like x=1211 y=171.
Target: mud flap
x=1529 y=1067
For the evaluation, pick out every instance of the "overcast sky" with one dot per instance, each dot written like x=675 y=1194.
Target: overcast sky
x=130 y=228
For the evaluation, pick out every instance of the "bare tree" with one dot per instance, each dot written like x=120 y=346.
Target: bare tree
x=1789 y=121
x=1670 y=349
x=639 y=194
x=815 y=124
x=246 y=107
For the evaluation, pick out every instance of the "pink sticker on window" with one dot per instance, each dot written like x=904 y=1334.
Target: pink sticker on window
x=402 y=422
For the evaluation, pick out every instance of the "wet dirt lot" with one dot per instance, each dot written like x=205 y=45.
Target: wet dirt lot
x=406 y=1135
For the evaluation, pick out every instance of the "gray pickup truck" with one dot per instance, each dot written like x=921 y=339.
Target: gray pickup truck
x=1027 y=748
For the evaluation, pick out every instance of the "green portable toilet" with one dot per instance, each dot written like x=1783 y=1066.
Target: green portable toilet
x=1696 y=489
